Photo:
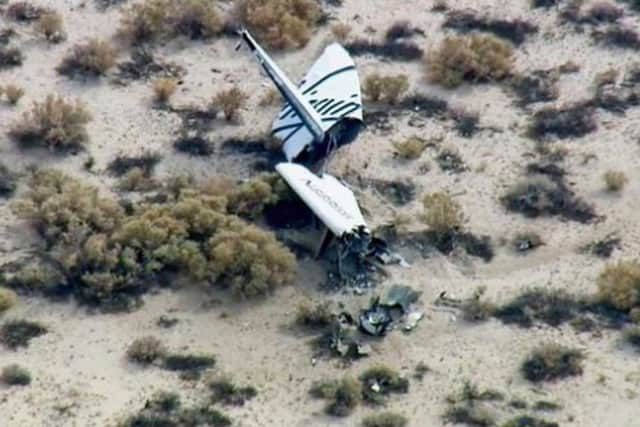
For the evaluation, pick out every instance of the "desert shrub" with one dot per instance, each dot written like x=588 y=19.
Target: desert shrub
x=190 y=366
x=514 y=31
x=385 y=419
x=196 y=19
x=8 y=181
x=565 y=122
x=230 y=101
x=395 y=50
x=387 y=89
x=124 y=164
x=529 y=421
x=475 y=309
x=137 y=180
x=343 y=395
x=144 y=21
x=632 y=337
x=315 y=316
x=619 y=36
x=163 y=89
x=602 y=247
x=341 y=31
x=552 y=307
x=615 y=180
x=13 y=93
x=544 y=3
x=280 y=24
x=551 y=362
x=470 y=415
x=442 y=213
x=539 y=86
x=24 y=11
x=146 y=350
x=106 y=255
x=465 y=122
x=15 y=375
x=400 y=30
x=10 y=57
x=541 y=195
x=619 y=285
x=51 y=27
x=53 y=123
x=250 y=261
x=527 y=241
x=411 y=148
x=223 y=390
x=18 y=333
x=473 y=58
x=381 y=380
x=8 y=299
x=449 y=160
x=93 y=58
x=603 y=12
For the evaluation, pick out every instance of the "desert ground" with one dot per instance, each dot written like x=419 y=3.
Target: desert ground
x=80 y=374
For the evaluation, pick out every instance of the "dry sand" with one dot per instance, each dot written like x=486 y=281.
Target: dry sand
x=81 y=377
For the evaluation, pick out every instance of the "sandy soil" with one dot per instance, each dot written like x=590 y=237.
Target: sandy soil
x=81 y=377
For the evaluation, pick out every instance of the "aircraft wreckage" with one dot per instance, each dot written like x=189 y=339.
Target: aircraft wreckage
x=320 y=115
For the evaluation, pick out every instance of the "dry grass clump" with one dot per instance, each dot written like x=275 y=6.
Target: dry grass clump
x=146 y=350
x=551 y=362
x=473 y=58
x=8 y=299
x=615 y=180
x=619 y=285
x=442 y=213
x=18 y=333
x=15 y=375
x=343 y=395
x=551 y=307
x=190 y=366
x=230 y=101
x=386 y=89
x=24 y=11
x=603 y=12
x=13 y=93
x=93 y=58
x=144 y=21
x=53 y=123
x=539 y=86
x=395 y=50
x=468 y=406
x=632 y=337
x=529 y=421
x=123 y=164
x=280 y=24
x=619 y=36
x=385 y=419
x=163 y=89
x=50 y=25
x=411 y=148
x=10 y=57
x=106 y=255
x=400 y=30
x=544 y=3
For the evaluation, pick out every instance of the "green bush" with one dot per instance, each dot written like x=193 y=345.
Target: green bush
x=15 y=375
x=53 y=123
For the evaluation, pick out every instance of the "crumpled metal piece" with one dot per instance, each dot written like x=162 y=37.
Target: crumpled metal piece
x=402 y=296
x=392 y=308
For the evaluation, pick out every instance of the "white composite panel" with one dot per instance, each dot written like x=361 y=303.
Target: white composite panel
x=332 y=87
x=327 y=197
